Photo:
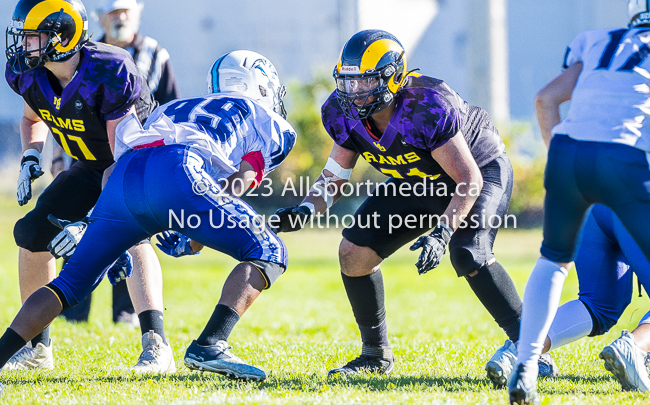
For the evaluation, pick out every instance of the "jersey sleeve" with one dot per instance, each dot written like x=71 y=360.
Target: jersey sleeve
x=279 y=144
x=334 y=122
x=122 y=89
x=274 y=139
x=434 y=119
x=574 y=51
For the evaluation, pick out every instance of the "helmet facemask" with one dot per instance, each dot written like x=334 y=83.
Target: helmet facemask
x=55 y=33
x=271 y=91
x=26 y=60
x=371 y=88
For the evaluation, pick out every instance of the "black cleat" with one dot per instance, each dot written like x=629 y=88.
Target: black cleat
x=365 y=364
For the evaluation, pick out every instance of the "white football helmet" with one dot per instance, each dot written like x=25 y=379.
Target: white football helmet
x=250 y=74
x=638 y=11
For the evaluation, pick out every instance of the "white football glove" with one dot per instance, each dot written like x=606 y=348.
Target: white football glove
x=30 y=170
x=64 y=244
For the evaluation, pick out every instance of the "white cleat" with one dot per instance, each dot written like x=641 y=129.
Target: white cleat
x=29 y=358
x=500 y=365
x=627 y=362
x=522 y=386
x=157 y=357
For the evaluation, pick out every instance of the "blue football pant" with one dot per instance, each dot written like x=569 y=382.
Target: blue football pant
x=579 y=174
x=607 y=257
x=155 y=189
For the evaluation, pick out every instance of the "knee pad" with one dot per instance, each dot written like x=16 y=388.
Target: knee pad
x=271 y=271
x=28 y=233
x=463 y=260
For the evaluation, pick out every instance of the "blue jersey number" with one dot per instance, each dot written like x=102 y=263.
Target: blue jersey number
x=218 y=117
x=615 y=38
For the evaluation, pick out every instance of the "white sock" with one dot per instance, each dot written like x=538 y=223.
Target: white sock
x=541 y=299
x=572 y=322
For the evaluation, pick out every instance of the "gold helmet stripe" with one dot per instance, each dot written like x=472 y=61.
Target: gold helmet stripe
x=340 y=62
x=375 y=51
x=48 y=7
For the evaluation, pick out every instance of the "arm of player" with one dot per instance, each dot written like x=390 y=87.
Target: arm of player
x=325 y=191
x=455 y=158
x=548 y=100
x=112 y=124
x=241 y=181
x=321 y=201
x=33 y=130
x=33 y=134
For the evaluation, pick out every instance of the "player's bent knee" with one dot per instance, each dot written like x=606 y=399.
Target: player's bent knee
x=463 y=260
x=65 y=304
x=601 y=322
x=26 y=233
x=271 y=271
x=356 y=260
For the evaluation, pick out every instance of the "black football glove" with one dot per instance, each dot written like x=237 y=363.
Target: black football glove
x=433 y=248
x=291 y=218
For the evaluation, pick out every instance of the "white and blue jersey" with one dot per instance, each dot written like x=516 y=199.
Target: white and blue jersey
x=166 y=177
x=610 y=101
x=221 y=127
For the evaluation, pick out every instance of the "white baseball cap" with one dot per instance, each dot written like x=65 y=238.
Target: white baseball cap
x=110 y=5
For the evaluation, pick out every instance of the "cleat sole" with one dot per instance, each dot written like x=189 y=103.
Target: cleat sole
x=496 y=375
x=615 y=365
x=194 y=365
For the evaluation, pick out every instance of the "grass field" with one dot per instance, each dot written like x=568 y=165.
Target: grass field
x=302 y=327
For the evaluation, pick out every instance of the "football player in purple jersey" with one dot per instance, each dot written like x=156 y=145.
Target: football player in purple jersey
x=421 y=134
x=79 y=90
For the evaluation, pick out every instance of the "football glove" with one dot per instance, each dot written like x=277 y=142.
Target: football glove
x=292 y=218
x=64 y=244
x=433 y=248
x=175 y=244
x=30 y=170
x=121 y=269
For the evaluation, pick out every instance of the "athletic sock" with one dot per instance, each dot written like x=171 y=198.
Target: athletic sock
x=152 y=320
x=541 y=299
x=43 y=337
x=495 y=289
x=219 y=327
x=366 y=295
x=572 y=322
x=10 y=343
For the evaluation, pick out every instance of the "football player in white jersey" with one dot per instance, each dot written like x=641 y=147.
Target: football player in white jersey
x=598 y=154
x=184 y=171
